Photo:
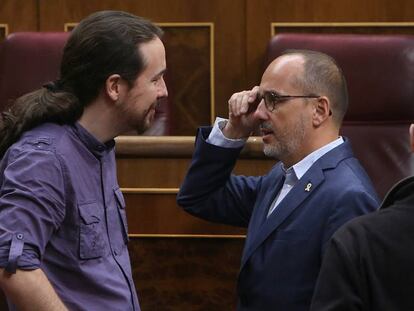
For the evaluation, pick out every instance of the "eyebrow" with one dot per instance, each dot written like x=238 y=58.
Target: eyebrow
x=162 y=72
x=272 y=91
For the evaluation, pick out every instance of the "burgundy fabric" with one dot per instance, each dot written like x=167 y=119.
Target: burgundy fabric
x=27 y=61
x=379 y=70
x=30 y=59
x=384 y=152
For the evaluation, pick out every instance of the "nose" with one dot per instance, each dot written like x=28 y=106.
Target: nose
x=261 y=112
x=162 y=89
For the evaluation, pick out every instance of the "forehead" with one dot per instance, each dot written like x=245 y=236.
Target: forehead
x=283 y=73
x=153 y=53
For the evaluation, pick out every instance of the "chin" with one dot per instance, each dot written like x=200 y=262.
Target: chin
x=268 y=151
x=144 y=124
x=271 y=151
x=142 y=129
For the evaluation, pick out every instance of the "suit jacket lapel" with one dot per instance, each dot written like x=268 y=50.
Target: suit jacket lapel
x=314 y=177
x=260 y=211
x=269 y=200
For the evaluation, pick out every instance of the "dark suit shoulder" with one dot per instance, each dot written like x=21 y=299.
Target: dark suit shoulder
x=383 y=227
x=397 y=216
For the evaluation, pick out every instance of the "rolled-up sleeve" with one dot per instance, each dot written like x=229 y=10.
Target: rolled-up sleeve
x=32 y=204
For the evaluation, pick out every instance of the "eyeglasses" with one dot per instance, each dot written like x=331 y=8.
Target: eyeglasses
x=271 y=99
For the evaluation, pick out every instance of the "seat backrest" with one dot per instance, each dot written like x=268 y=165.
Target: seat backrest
x=27 y=61
x=379 y=70
x=30 y=59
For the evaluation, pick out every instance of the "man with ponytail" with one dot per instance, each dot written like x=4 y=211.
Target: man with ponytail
x=63 y=228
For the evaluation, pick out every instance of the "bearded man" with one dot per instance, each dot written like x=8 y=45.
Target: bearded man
x=291 y=212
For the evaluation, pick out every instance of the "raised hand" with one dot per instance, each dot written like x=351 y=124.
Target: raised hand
x=242 y=120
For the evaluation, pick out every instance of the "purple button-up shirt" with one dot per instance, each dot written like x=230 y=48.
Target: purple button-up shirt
x=61 y=210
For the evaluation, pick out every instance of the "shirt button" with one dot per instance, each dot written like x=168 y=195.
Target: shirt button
x=20 y=236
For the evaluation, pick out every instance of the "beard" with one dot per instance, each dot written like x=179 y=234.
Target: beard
x=287 y=141
x=144 y=122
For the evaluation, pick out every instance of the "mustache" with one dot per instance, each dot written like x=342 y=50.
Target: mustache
x=159 y=104
x=155 y=105
x=266 y=126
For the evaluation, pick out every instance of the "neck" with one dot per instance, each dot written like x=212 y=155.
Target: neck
x=311 y=144
x=99 y=120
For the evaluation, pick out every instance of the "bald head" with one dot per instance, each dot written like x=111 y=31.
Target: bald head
x=314 y=73
x=289 y=66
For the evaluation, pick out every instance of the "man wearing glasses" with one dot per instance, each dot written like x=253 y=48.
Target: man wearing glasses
x=291 y=212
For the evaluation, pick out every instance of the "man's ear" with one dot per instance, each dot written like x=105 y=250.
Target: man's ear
x=322 y=110
x=113 y=86
x=412 y=137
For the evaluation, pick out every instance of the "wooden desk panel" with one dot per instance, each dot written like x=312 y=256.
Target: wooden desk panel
x=179 y=262
x=159 y=214
x=150 y=171
x=186 y=274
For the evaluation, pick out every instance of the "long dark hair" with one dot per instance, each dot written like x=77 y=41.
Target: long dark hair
x=102 y=44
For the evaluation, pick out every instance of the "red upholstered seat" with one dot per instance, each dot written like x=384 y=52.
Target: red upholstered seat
x=27 y=61
x=379 y=70
x=30 y=59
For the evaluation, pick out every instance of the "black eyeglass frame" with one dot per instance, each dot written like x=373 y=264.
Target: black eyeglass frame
x=276 y=99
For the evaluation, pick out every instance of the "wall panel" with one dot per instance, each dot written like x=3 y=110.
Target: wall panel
x=18 y=15
x=4 y=31
x=190 y=77
x=343 y=28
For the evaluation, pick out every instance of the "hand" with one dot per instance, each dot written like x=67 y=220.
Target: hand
x=242 y=120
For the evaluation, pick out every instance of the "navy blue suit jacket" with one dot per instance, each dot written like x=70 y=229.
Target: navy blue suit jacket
x=282 y=254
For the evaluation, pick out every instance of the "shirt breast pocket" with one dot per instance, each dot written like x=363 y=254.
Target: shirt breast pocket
x=91 y=243
x=122 y=213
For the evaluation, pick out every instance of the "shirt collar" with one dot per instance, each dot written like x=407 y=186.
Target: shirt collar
x=94 y=145
x=303 y=165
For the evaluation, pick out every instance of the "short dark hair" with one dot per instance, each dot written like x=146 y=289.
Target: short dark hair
x=102 y=44
x=323 y=76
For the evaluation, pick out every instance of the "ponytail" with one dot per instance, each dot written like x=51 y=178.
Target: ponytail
x=48 y=104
